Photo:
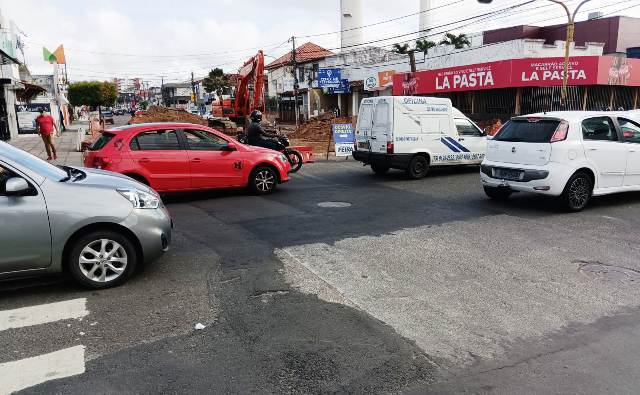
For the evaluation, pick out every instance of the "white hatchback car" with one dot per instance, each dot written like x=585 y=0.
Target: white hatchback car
x=574 y=155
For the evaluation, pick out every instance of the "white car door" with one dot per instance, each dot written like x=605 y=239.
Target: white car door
x=631 y=137
x=381 y=128
x=605 y=151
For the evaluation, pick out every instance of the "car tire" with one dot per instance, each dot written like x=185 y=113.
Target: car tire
x=263 y=180
x=418 y=167
x=577 y=193
x=90 y=265
x=380 y=169
x=498 y=193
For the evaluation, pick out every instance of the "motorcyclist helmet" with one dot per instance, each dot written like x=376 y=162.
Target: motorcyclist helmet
x=256 y=116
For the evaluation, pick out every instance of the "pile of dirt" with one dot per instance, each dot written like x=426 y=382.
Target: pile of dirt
x=164 y=114
x=319 y=128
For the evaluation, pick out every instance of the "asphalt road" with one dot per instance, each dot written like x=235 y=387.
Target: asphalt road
x=342 y=281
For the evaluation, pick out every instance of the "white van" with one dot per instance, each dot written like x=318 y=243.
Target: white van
x=413 y=133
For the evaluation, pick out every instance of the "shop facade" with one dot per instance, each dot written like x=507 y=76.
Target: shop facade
x=505 y=88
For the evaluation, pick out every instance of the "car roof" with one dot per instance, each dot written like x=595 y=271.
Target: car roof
x=165 y=125
x=569 y=115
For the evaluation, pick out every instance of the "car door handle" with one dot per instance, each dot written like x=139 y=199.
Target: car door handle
x=593 y=149
x=196 y=160
x=460 y=139
x=632 y=150
x=144 y=160
x=373 y=138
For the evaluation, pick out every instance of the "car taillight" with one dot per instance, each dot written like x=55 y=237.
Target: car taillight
x=561 y=132
x=100 y=162
x=389 y=147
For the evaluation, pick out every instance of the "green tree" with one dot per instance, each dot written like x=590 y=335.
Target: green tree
x=458 y=41
x=217 y=81
x=405 y=50
x=424 y=45
x=93 y=94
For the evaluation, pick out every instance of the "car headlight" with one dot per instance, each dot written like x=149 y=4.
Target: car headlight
x=140 y=199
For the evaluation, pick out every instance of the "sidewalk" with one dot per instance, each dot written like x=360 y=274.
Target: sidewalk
x=65 y=145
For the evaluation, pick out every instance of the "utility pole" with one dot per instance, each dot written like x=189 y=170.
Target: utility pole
x=193 y=89
x=162 y=90
x=296 y=84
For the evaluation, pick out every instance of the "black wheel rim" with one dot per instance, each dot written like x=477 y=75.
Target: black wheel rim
x=579 y=192
x=419 y=166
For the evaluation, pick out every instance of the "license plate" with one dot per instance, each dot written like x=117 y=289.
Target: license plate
x=507 y=174
x=363 y=144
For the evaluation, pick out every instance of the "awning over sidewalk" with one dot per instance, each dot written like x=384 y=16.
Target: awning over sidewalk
x=29 y=91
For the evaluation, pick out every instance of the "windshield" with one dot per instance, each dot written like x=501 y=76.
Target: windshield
x=528 y=131
x=32 y=163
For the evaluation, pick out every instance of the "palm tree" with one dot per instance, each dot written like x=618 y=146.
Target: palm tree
x=460 y=41
x=424 y=45
x=404 y=50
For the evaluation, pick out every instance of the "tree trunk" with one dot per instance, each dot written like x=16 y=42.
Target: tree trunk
x=412 y=61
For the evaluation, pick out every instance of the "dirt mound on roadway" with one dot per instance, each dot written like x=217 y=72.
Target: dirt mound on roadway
x=164 y=114
x=318 y=129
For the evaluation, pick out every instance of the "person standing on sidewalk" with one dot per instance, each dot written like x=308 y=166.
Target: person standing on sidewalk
x=46 y=125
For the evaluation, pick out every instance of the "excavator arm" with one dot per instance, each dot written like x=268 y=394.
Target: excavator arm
x=250 y=87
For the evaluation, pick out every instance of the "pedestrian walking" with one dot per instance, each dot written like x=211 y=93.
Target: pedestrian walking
x=45 y=125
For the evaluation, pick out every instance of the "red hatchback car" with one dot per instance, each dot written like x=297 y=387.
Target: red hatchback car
x=175 y=157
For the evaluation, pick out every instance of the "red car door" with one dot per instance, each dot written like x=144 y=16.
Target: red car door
x=212 y=165
x=161 y=159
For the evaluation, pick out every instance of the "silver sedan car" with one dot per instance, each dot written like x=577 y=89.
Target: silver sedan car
x=95 y=225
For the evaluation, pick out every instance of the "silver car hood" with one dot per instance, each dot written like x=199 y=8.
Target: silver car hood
x=103 y=178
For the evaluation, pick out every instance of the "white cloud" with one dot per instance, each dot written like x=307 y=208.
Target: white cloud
x=171 y=38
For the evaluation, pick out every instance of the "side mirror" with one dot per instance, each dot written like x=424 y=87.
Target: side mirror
x=231 y=147
x=16 y=186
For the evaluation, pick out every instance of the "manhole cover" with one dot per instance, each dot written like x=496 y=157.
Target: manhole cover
x=609 y=272
x=334 y=204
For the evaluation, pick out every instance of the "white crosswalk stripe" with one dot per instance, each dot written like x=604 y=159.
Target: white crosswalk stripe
x=42 y=314
x=25 y=373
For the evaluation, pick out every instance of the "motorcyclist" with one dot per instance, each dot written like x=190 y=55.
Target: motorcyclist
x=257 y=136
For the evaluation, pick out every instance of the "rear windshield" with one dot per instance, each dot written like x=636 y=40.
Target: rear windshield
x=528 y=131
x=101 y=142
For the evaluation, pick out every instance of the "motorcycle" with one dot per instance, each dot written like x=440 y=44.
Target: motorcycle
x=294 y=157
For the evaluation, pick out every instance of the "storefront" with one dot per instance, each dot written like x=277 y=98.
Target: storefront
x=521 y=86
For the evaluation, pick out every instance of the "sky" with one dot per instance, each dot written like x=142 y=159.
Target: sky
x=170 y=39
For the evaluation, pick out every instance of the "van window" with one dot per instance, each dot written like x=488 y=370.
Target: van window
x=381 y=117
x=366 y=116
x=466 y=128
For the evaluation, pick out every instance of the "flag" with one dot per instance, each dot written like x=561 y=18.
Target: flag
x=59 y=55
x=48 y=56
x=56 y=57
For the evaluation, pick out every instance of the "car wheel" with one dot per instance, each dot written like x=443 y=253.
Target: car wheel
x=263 y=180
x=498 y=193
x=379 y=169
x=102 y=259
x=295 y=160
x=577 y=192
x=418 y=167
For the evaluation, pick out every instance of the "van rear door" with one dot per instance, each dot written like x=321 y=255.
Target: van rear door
x=381 y=132
x=365 y=122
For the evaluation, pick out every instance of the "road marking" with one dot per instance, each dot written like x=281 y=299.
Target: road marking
x=25 y=373
x=42 y=314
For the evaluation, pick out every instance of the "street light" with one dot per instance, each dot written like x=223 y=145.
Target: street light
x=570 y=31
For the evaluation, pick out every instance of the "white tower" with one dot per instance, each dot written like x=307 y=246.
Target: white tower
x=425 y=17
x=351 y=21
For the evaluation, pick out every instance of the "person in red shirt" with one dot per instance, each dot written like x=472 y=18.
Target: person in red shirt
x=46 y=125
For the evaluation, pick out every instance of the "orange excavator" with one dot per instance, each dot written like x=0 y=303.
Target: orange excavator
x=227 y=114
